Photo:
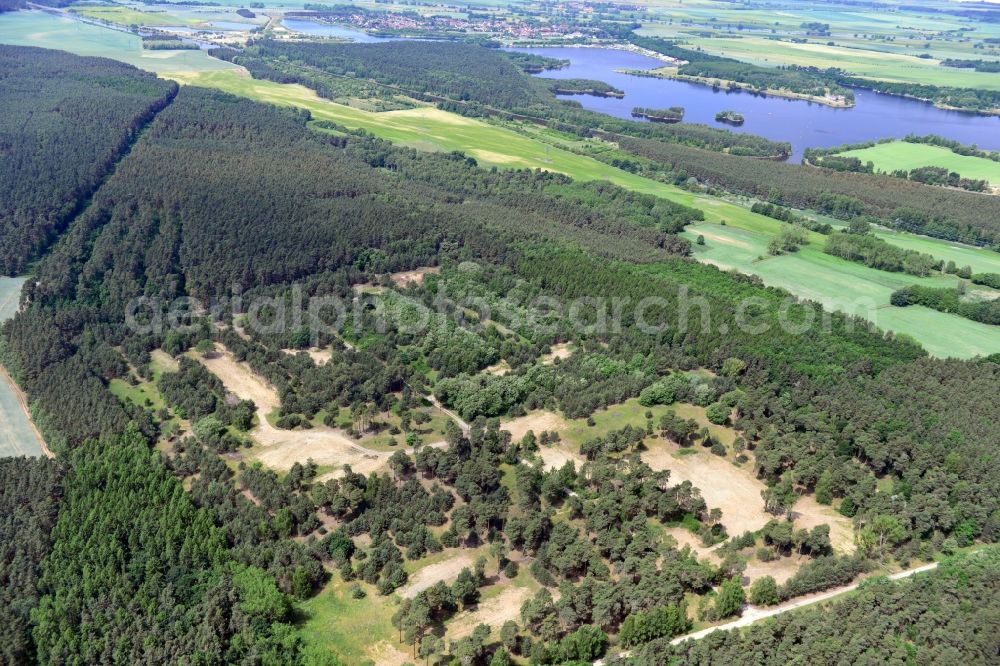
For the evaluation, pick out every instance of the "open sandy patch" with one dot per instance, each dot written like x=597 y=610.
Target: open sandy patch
x=385 y=653
x=808 y=513
x=494 y=612
x=416 y=276
x=561 y=351
x=319 y=356
x=446 y=570
x=781 y=569
x=536 y=422
x=283 y=448
x=556 y=457
x=722 y=485
x=684 y=537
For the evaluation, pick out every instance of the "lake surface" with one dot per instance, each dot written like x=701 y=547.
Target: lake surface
x=317 y=29
x=803 y=124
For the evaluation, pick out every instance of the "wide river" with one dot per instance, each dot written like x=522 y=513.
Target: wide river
x=803 y=124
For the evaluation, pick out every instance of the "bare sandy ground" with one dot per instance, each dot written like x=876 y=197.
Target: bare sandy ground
x=537 y=422
x=498 y=369
x=283 y=448
x=416 y=276
x=556 y=457
x=807 y=513
x=684 y=537
x=737 y=492
x=446 y=570
x=781 y=569
x=385 y=653
x=319 y=356
x=494 y=612
x=723 y=485
x=560 y=351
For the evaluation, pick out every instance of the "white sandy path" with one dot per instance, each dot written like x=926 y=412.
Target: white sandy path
x=283 y=448
x=753 y=614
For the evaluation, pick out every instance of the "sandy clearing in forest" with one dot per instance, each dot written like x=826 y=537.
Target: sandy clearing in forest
x=684 y=537
x=560 y=351
x=240 y=380
x=498 y=369
x=494 y=612
x=555 y=457
x=385 y=653
x=809 y=513
x=781 y=569
x=446 y=570
x=283 y=448
x=536 y=422
x=722 y=484
x=403 y=278
x=164 y=360
x=319 y=356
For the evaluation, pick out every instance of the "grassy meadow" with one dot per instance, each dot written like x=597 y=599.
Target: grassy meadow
x=903 y=155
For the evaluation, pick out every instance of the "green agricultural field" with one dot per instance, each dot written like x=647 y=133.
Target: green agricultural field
x=849 y=287
x=57 y=32
x=128 y=16
x=903 y=155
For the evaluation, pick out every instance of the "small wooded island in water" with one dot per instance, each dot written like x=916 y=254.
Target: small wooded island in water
x=585 y=87
x=674 y=114
x=729 y=117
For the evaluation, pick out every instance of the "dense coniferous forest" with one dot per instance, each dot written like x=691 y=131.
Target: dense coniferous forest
x=30 y=490
x=64 y=124
x=124 y=561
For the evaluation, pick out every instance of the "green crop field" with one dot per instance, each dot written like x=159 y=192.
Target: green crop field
x=17 y=436
x=904 y=155
x=57 y=32
x=128 y=16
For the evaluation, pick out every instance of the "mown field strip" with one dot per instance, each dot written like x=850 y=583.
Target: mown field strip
x=18 y=436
